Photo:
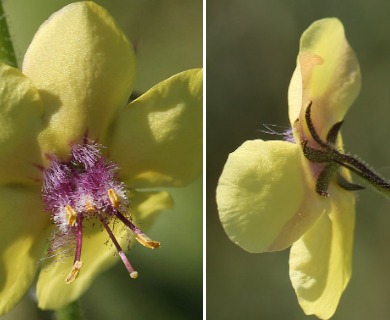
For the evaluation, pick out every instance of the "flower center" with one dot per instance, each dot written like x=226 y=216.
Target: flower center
x=88 y=186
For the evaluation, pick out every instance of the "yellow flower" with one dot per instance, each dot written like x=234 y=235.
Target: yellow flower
x=76 y=79
x=276 y=194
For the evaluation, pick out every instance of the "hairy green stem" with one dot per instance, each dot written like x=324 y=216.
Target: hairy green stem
x=7 y=53
x=332 y=157
x=71 y=312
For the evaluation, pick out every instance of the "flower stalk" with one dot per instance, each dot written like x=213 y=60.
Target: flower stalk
x=72 y=311
x=7 y=52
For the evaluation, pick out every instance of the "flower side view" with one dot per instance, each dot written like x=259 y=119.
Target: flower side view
x=75 y=155
x=276 y=194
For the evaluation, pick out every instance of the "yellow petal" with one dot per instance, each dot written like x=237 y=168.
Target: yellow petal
x=327 y=74
x=320 y=262
x=23 y=237
x=158 y=137
x=148 y=204
x=262 y=201
x=20 y=123
x=84 y=68
x=97 y=255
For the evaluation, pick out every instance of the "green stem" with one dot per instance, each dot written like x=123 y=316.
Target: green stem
x=71 y=312
x=7 y=53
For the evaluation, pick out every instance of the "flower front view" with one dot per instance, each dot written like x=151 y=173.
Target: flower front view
x=74 y=155
x=298 y=192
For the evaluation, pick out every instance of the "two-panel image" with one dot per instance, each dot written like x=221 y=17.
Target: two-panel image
x=199 y=159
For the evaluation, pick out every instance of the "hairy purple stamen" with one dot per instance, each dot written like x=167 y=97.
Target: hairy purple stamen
x=87 y=186
x=288 y=135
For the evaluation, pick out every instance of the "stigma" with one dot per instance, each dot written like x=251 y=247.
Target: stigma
x=84 y=187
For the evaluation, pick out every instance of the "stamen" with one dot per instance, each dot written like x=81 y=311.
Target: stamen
x=71 y=216
x=133 y=274
x=77 y=262
x=141 y=237
x=87 y=185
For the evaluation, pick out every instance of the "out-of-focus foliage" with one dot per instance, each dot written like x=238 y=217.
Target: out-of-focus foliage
x=251 y=54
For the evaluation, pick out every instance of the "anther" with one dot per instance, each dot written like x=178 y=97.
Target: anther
x=89 y=207
x=74 y=273
x=70 y=215
x=114 y=198
x=143 y=239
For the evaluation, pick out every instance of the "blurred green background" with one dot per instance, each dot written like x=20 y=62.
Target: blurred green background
x=168 y=35
x=251 y=54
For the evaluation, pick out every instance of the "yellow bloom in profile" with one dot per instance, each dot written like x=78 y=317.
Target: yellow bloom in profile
x=276 y=194
x=72 y=145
